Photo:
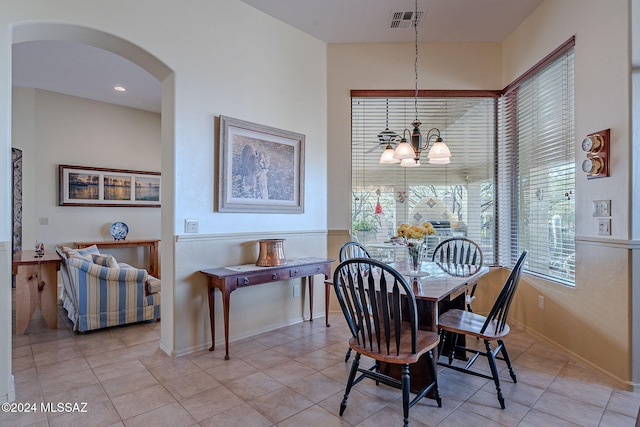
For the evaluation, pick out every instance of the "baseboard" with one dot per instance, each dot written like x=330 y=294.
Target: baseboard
x=10 y=396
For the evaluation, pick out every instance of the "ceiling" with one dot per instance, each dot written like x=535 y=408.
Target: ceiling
x=89 y=72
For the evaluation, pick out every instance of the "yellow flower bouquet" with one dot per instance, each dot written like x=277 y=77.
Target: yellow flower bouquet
x=415 y=236
x=418 y=232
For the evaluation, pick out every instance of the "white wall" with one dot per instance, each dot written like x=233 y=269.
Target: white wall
x=53 y=129
x=254 y=68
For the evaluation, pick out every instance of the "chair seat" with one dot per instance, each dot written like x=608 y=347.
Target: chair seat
x=426 y=341
x=465 y=322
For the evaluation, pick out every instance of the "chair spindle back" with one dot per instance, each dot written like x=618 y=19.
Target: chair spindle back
x=458 y=250
x=500 y=309
x=370 y=295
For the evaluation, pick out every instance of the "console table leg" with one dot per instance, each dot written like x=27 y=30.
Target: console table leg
x=212 y=317
x=310 y=279
x=226 y=299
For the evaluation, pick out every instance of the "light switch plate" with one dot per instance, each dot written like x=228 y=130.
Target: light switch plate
x=601 y=208
x=604 y=227
x=191 y=225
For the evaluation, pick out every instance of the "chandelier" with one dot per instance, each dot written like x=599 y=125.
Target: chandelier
x=408 y=153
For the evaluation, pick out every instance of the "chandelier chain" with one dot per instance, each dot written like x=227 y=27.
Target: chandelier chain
x=415 y=62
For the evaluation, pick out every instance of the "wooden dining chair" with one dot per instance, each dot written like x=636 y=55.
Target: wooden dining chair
x=490 y=328
x=460 y=256
x=348 y=251
x=372 y=296
x=353 y=250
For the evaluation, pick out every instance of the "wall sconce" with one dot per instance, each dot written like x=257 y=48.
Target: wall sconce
x=596 y=145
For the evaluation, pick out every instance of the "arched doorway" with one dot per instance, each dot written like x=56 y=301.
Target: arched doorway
x=71 y=33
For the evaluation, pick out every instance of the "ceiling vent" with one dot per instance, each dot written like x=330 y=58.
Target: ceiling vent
x=405 y=19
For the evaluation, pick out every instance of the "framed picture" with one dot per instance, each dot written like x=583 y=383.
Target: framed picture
x=261 y=168
x=88 y=186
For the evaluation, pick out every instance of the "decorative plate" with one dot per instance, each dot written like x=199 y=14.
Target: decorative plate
x=119 y=230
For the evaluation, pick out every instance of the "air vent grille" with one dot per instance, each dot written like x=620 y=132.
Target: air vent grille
x=405 y=19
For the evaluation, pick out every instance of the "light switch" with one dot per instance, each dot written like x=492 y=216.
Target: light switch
x=604 y=227
x=601 y=208
x=191 y=225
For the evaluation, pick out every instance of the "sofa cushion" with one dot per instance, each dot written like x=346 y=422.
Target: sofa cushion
x=85 y=253
x=105 y=260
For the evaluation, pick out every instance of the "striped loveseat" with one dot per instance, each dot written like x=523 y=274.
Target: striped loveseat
x=99 y=292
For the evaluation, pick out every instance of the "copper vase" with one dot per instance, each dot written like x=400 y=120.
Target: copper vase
x=271 y=253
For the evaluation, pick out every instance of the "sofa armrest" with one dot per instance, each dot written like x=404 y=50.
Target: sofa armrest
x=152 y=286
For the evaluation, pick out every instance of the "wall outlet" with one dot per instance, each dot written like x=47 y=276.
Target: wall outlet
x=540 y=302
x=191 y=225
x=44 y=220
x=604 y=227
x=296 y=291
x=601 y=208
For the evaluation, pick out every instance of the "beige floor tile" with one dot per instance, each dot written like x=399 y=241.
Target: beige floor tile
x=55 y=385
x=97 y=414
x=173 y=415
x=359 y=406
x=318 y=387
x=63 y=368
x=14 y=419
x=582 y=392
x=206 y=359
x=624 y=403
x=189 y=385
x=170 y=369
x=614 y=419
x=253 y=386
x=118 y=369
x=266 y=359
x=210 y=402
x=392 y=415
x=241 y=348
x=486 y=404
x=141 y=401
x=535 y=418
x=569 y=409
x=316 y=416
x=120 y=386
x=239 y=416
x=289 y=372
x=280 y=404
x=319 y=359
x=274 y=339
x=231 y=370
x=90 y=394
x=295 y=348
x=463 y=417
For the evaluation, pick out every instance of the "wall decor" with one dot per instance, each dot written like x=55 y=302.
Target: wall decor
x=89 y=186
x=261 y=168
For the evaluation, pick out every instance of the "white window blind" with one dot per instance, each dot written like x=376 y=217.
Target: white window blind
x=461 y=193
x=536 y=178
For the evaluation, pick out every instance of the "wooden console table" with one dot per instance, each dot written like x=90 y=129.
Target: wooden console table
x=36 y=287
x=152 y=244
x=228 y=279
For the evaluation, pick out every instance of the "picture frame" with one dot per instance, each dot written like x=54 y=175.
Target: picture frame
x=93 y=186
x=261 y=168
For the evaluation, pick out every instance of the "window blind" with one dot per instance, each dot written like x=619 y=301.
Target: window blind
x=461 y=193
x=536 y=178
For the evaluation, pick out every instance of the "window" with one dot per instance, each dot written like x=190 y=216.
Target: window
x=460 y=195
x=511 y=182
x=537 y=147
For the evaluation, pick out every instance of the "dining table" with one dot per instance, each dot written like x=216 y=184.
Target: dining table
x=437 y=287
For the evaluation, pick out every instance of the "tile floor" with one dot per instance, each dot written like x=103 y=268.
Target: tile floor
x=292 y=376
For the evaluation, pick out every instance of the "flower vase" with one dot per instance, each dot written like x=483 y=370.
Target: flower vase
x=415 y=251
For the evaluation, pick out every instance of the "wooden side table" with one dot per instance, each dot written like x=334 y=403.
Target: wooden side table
x=228 y=279
x=151 y=243
x=36 y=287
